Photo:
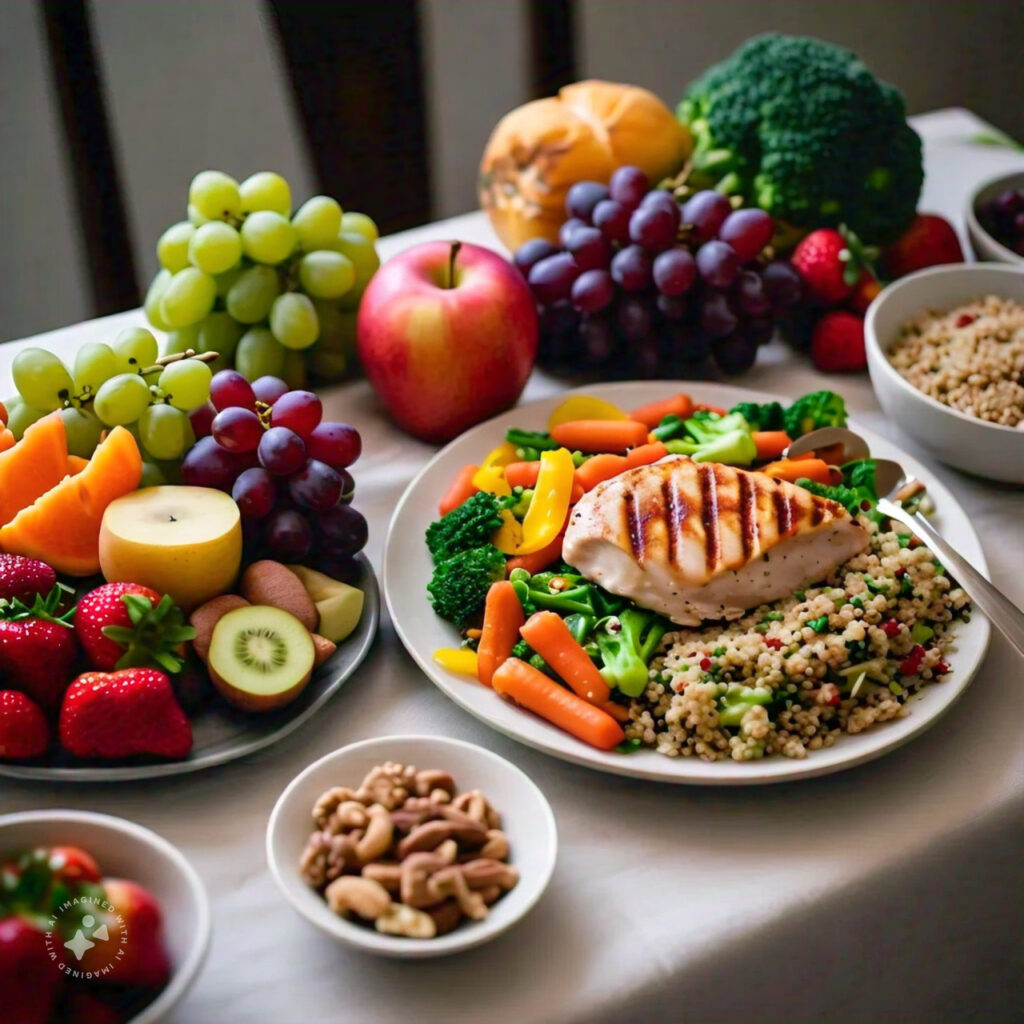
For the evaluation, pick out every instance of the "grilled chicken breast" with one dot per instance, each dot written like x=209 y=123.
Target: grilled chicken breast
x=700 y=540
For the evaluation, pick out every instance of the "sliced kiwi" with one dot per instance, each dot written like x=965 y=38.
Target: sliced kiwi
x=260 y=657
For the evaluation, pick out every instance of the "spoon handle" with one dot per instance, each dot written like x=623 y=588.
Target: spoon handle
x=1001 y=611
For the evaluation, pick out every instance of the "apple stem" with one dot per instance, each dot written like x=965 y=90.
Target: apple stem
x=453 y=253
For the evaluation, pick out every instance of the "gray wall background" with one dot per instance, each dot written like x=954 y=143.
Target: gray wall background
x=199 y=83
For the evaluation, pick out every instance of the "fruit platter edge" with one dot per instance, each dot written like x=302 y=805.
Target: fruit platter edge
x=223 y=733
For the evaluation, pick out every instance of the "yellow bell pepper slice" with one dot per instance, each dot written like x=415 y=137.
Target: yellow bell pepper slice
x=492 y=479
x=546 y=514
x=510 y=535
x=584 y=407
x=500 y=456
x=457 y=659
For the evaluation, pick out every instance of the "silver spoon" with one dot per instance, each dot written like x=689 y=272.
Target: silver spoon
x=893 y=482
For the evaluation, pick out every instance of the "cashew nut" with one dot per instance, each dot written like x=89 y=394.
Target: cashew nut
x=416 y=871
x=496 y=847
x=450 y=881
x=475 y=804
x=491 y=894
x=352 y=894
x=399 y=919
x=379 y=833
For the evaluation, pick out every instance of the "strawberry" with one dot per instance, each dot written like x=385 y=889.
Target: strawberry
x=122 y=714
x=85 y=1007
x=136 y=925
x=37 y=647
x=127 y=625
x=71 y=864
x=929 y=241
x=29 y=980
x=23 y=578
x=831 y=263
x=24 y=731
x=837 y=345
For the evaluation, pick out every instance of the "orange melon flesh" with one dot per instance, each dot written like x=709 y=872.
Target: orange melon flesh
x=76 y=464
x=6 y=439
x=30 y=468
x=62 y=526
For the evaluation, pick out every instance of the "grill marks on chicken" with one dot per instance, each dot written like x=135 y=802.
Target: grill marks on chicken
x=689 y=538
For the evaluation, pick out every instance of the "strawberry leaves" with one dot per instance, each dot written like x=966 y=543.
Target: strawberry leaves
x=47 y=608
x=856 y=257
x=155 y=635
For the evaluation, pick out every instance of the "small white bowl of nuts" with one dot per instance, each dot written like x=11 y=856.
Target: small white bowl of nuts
x=412 y=846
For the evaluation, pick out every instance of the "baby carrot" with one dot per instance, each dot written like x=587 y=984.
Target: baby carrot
x=600 y=468
x=549 y=636
x=533 y=690
x=503 y=615
x=770 y=443
x=462 y=487
x=645 y=454
x=796 y=469
x=537 y=561
x=654 y=412
x=600 y=435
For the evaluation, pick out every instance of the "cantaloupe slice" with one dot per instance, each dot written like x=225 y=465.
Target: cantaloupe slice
x=62 y=526
x=76 y=464
x=6 y=439
x=38 y=462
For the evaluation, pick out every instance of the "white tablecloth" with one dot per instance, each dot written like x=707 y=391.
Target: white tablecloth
x=890 y=892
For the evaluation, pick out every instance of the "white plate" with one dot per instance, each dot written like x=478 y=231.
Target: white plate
x=407 y=570
x=526 y=818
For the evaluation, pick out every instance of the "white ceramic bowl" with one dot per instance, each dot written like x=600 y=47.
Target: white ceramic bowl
x=126 y=850
x=986 y=246
x=526 y=819
x=984 y=449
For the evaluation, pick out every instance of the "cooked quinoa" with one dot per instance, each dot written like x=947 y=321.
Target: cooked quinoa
x=970 y=358
x=793 y=676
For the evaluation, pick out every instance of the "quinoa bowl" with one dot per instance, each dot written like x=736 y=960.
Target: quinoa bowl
x=408 y=568
x=918 y=303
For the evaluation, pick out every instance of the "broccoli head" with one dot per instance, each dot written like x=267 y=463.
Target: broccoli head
x=459 y=585
x=473 y=523
x=761 y=417
x=804 y=130
x=813 y=410
x=626 y=643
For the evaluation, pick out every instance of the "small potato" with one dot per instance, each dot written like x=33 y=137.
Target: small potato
x=206 y=617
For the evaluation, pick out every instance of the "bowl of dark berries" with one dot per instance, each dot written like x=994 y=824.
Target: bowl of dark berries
x=995 y=219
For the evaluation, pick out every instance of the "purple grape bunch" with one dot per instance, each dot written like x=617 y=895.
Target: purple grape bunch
x=286 y=468
x=642 y=284
x=1003 y=218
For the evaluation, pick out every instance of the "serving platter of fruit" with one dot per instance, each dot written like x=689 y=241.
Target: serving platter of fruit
x=154 y=630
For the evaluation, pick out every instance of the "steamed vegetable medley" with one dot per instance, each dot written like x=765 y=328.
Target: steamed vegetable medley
x=617 y=675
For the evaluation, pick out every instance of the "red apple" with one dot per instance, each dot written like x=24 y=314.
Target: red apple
x=447 y=336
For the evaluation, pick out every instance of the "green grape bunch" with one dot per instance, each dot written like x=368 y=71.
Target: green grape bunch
x=125 y=384
x=272 y=290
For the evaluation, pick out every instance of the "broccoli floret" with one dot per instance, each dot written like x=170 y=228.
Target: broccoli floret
x=814 y=410
x=471 y=524
x=713 y=438
x=761 y=417
x=804 y=130
x=459 y=585
x=627 y=643
x=858 y=501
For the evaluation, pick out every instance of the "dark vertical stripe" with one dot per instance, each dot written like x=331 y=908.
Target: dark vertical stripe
x=748 y=515
x=675 y=512
x=552 y=46
x=817 y=510
x=709 y=514
x=113 y=281
x=783 y=511
x=634 y=527
x=357 y=73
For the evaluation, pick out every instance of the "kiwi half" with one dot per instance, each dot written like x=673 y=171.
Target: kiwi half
x=260 y=657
